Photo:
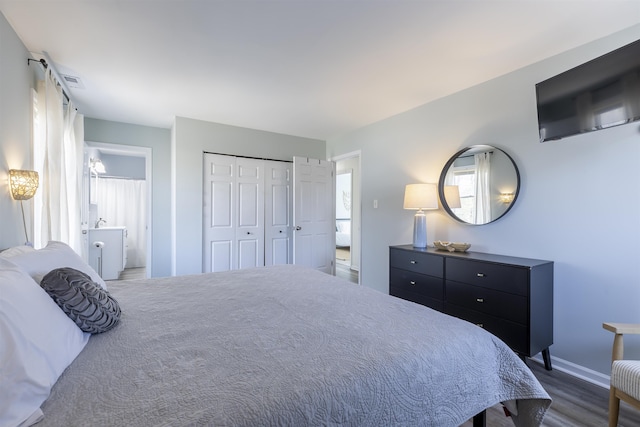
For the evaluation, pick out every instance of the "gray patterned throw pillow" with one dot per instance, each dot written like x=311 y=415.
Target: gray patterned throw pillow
x=90 y=306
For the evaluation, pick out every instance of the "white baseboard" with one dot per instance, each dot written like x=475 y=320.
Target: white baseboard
x=577 y=371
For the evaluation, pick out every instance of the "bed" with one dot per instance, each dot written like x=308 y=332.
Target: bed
x=281 y=345
x=343 y=233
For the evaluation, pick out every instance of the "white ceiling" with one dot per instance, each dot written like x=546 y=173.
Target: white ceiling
x=313 y=68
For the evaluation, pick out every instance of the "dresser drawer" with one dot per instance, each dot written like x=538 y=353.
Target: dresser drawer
x=513 y=334
x=496 y=276
x=417 y=298
x=499 y=304
x=408 y=281
x=415 y=261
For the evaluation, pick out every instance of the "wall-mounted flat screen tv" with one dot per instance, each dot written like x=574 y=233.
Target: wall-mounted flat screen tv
x=599 y=94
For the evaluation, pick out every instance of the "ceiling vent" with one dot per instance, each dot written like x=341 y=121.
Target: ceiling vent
x=72 y=81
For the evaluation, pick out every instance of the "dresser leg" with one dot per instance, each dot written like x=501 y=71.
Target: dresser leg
x=546 y=356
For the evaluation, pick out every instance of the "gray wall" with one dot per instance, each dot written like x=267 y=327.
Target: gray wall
x=579 y=203
x=124 y=166
x=16 y=80
x=191 y=138
x=159 y=140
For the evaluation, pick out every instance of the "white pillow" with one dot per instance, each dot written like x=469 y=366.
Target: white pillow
x=37 y=343
x=16 y=250
x=39 y=262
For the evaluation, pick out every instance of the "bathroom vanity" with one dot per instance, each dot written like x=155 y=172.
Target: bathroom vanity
x=108 y=251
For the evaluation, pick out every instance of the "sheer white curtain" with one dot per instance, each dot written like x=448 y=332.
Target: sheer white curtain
x=123 y=202
x=483 y=188
x=58 y=139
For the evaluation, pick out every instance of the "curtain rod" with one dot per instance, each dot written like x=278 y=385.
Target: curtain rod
x=120 y=177
x=471 y=155
x=44 y=63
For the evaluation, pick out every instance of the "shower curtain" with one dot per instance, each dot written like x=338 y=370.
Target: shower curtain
x=123 y=202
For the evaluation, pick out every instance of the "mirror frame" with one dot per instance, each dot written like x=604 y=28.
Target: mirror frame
x=448 y=165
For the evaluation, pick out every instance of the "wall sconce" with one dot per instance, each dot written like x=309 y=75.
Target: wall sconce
x=23 y=185
x=452 y=196
x=506 y=198
x=96 y=166
x=420 y=196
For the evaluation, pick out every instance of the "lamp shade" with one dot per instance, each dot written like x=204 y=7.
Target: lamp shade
x=452 y=196
x=23 y=183
x=420 y=196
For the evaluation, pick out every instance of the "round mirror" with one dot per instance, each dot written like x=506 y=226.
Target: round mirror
x=479 y=184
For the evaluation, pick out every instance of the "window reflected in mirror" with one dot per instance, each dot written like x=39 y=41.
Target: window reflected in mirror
x=479 y=184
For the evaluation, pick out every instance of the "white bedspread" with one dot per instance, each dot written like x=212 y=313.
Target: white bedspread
x=285 y=346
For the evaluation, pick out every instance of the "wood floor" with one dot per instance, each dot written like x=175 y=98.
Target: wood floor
x=343 y=262
x=576 y=403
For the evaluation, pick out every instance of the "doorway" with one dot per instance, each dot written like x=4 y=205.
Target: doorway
x=348 y=216
x=119 y=196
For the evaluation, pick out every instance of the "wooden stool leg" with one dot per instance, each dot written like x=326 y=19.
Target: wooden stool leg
x=614 y=407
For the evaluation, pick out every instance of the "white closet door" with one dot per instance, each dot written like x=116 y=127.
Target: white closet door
x=247 y=213
x=219 y=225
x=278 y=212
x=250 y=212
x=314 y=213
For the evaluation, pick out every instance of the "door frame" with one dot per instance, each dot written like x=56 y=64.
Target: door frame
x=134 y=151
x=336 y=159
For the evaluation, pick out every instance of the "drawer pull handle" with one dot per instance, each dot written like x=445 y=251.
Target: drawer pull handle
x=480 y=274
x=413 y=262
x=412 y=282
x=481 y=300
x=480 y=324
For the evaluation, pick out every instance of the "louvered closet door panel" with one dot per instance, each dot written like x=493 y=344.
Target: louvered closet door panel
x=250 y=212
x=219 y=232
x=277 y=213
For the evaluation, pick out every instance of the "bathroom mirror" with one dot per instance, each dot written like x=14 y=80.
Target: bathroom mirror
x=479 y=184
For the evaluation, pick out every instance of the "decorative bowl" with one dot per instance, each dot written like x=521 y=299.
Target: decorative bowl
x=451 y=246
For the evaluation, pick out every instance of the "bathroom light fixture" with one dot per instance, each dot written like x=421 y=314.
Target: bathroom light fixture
x=23 y=184
x=420 y=196
x=506 y=198
x=96 y=166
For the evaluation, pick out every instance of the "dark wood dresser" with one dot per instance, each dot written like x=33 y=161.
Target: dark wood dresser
x=508 y=296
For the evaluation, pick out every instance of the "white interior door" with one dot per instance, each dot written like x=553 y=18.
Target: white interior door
x=278 y=211
x=314 y=213
x=219 y=233
x=250 y=212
